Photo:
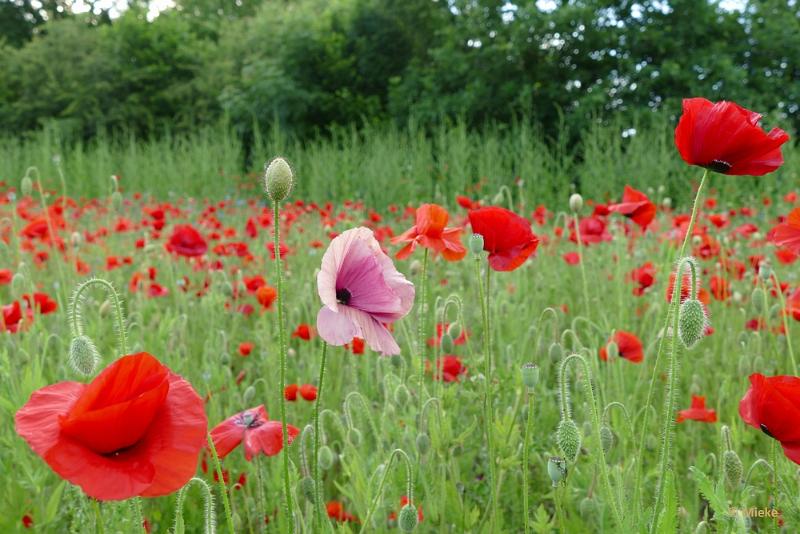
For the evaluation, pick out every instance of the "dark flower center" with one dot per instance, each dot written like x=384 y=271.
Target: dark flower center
x=249 y=420
x=765 y=430
x=718 y=165
x=343 y=296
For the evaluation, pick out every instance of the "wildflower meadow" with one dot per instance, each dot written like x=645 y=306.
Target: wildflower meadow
x=469 y=363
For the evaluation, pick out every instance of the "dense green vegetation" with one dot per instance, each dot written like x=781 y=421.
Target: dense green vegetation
x=305 y=65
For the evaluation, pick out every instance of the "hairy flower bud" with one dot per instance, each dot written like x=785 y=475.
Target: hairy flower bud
x=423 y=443
x=568 y=438
x=401 y=395
x=407 y=520
x=692 y=322
x=354 y=437
x=733 y=468
x=606 y=438
x=325 y=457
x=530 y=375
x=248 y=395
x=26 y=186
x=575 y=203
x=308 y=488
x=555 y=351
x=557 y=469
x=278 y=179
x=612 y=350
x=454 y=330
x=83 y=355
x=447 y=344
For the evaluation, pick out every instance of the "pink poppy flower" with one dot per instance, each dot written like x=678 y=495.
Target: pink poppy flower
x=361 y=291
x=253 y=427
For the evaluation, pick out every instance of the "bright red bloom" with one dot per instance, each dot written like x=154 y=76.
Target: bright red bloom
x=5 y=276
x=430 y=232
x=12 y=317
x=686 y=286
x=449 y=368
x=357 y=345
x=726 y=138
x=303 y=331
x=793 y=304
x=593 y=230
x=787 y=233
x=636 y=206
x=186 y=241
x=290 y=392
x=644 y=276
x=266 y=295
x=719 y=288
x=698 y=411
x=571 y=258
x=27 y=521
x=772 y=405
x=136 y=429
x=253 y=427
x=628 y=345
x=308 y=392
x=41 y=302
x=245 y=348
x=336 y=511
x=507 y=237
x=440 y=330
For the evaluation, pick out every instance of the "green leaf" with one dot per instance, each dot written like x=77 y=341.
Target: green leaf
x=715 y=497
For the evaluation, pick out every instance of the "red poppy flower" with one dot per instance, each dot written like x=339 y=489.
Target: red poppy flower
x=628 y=346
x=5 y=276
x=772 y=405
x=698 y=411
x=793 y=304
x=636 y=206
x=290 y=392
x=245 y=348
x=644 y=276
x=507 y=237
x=27 y=521
x=440 y=330
x=308 y=392
x=686 y=286
x=593 y=230
x=571 y=258
x=719 y=288
x=430 y=232
x=136 y=429
x=253 y=427
x=336 y=511
x=303 y=331
x=41 y=302
x=787 y=233
x=266 y=295
x=186 y=241
x=726 y=138
x=357 y=345
x=12 y=317
x=449 y=368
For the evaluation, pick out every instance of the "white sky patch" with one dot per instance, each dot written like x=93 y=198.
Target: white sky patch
x=116 y=7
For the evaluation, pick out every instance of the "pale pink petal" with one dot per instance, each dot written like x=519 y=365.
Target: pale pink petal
x=372 y=331
x=335 y=328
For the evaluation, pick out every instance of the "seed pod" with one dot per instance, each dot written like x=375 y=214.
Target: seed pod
x=606 y=438
x=575 y=203
x=557 y=469
x=325 y=457
x=530 y=375
x=423 y=443
x=308 y=488
x=476 y=244
x=733 y=468
x=407 y=520
x=83 y=355
x=568 y=438
x=278 y=179
x=692 y=322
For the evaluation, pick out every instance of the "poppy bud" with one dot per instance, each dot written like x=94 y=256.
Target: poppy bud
x=606 y=438
x=774 y=311
x=278 y=179
x=733 y=468
x=447 y=344
x=354 y=437
x=401 y=395
x=248 y=395
x=557 y=469
x=105 y=308
x=568 y=438
x=397 y=361
x=697 y=240
x=476 y=244
x=325 y=457
x=692 y=322
x=555 y=351
x=26 y=186
x=83 y=355
x=575 y=203
x=308 y=488
x=116 y=200
x=701 y=528
x=454 y=330
x=75 y=239
x=764 y=271
x=612 y=350
x=415 y=268
x=530 y=375
x=744 y=365
x=18 y=283
x=587 y=508
x=407 y=520
x=498 y=198
x=757 y=298
x=666 y=203
x=423 y=443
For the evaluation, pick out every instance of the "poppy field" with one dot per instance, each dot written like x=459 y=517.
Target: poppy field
x=269 y=363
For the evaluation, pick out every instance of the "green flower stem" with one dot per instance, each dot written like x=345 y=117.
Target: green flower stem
x=74 y=314
x=226 y=505
x=138 y=517
x=409 y=485
x=320 y=516
x=785 y=322
x=525 y=460
x=287 y=491
x=422 y=321
x=583 y=267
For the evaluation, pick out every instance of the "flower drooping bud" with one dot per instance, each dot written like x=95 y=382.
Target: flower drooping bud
x=325 y=457
x=692 y=322
x=530 y=375
x=83 y=355
x=733 y=468
x=26 y=186
x=401 y=395
x=568 y=438
x=555 y=351
x=557 y=469
x=606 y=438
x=278 y=179
x=612 y=350
x=309 y=489
x=575 y=203
x=354 y=436
x=423 y=443
x=407 y=520
x=757 y=298
x=476 y=244
x=447 y=344
x=248 y=395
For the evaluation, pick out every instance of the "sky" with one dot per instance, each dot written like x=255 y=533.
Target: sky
x=117 y=6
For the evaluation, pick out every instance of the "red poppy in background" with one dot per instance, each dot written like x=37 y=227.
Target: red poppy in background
x=571 y=258
x=593 y=230
x=449 y=368
x=303 y=331
x=507 y=237
x=430 y=232
x=787 y=233
x=308 y=392
x=772 y=405
x=5 y=276
x=698 y=411
x=245 y=348
x=628 y=345
x=290 y=392
x=253 y=427
x=137 y=429
x=336 y=511
x=793 y=304
x=41 y=302
x=636 y=206
x=720 y=288
x=644 y=276
x=726 y=138
x=266 y=295
x=12 y=317
x=186 y=241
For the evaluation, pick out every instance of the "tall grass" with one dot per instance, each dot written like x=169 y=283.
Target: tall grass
x=387 y=164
